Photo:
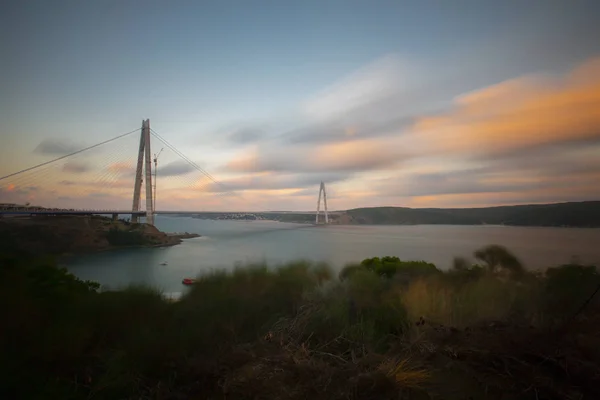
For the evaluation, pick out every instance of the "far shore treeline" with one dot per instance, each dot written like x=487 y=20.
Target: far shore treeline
x=584 y=214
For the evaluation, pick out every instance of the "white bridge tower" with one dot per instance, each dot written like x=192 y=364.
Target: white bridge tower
x=144 y=158
x=324 y=192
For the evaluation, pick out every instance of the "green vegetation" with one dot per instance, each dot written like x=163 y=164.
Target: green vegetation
x=574 y=214
x=126 y=237
x=387 y=329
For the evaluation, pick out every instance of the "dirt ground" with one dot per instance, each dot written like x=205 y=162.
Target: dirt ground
x=491 y=361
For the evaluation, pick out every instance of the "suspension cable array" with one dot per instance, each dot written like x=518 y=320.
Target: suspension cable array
x=70 y=154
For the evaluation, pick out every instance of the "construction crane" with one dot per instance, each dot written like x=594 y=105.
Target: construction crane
x=155 y=168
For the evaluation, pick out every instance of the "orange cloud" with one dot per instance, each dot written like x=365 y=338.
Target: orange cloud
x=246 y=162
x=120 y=167
x=339 y=157
x=520 y=113
x=10 y=187
x=358 y=154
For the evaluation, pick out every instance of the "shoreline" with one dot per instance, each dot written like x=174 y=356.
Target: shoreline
x=180 y=239
x=335 y=223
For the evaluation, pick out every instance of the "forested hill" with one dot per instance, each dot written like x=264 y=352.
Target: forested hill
x=575 y=214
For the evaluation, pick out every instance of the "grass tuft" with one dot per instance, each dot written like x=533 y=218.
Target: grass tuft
x=405 y=375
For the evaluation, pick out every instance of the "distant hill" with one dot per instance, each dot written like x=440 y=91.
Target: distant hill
x=574 y=214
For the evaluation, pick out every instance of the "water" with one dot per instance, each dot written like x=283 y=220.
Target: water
x=227 y=243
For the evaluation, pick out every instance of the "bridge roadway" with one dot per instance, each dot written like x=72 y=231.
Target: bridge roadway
x=46 y=211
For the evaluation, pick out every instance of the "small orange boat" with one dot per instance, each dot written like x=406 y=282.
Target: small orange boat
x=188 y=281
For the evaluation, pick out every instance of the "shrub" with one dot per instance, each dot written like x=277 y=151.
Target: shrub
x=244 y=303
x=349 y=270
x=43 y=335
x=499 y=257
x=462 y=272
x=388 y=267
x=364 y=309
x=486 y=298
x=568 y=287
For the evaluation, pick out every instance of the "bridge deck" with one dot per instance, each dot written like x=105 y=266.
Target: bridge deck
x=143 y=213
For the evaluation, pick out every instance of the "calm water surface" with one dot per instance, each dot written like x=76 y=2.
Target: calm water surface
x=227 y=243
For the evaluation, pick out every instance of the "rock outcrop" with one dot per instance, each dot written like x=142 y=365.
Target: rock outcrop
x=78 y=234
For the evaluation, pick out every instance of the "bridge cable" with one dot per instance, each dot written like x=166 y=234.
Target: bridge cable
x=70 y=154
x=44 y=173
x=164 y=141
x=192 y=163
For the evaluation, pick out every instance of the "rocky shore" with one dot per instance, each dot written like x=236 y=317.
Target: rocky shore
x=184 y=235
x=81 y=234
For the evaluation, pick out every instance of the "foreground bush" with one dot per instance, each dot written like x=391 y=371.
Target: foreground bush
x=364 y=309
x=567 y=287
x=459 y=304
x=292 y=332
x=389 y=267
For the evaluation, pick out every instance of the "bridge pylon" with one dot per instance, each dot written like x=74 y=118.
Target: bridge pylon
x=144 y=164
x=324 y=193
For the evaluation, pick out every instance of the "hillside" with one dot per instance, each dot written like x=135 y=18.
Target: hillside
x=575 y=214
x=77 y=234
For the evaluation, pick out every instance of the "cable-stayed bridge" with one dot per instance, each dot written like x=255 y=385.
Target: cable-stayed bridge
x=97 y=179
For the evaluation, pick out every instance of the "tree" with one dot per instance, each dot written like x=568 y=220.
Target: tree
x=460 y=264
x=496 y=257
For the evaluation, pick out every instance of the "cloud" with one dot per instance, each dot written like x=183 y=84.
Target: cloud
x=122 y=170
x=560 y=171
x=12 y=193
x=349 y=129
x=521 y=113
x=57 y=147
x=351 y=156
x=20 y=190
x=116 y=184
x=529 y=139
x=262 y=182
x=98 y=194
x=76 y=167
x=122 y=167
x=504 y=138
x=381 y=99
x=59 y=194
x=455 y=182
x=246 y=135
x=175 y=168
x=354 y=126
x=377 y=81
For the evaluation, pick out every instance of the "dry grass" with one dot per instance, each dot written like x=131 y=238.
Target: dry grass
x=487 y=299
x=404 y=374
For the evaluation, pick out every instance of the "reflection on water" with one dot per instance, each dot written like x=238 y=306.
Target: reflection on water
x=227 y=243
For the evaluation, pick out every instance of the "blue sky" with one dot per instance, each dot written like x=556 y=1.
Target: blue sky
x=226 y=81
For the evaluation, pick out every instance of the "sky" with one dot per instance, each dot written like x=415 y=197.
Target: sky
x=468 y=103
